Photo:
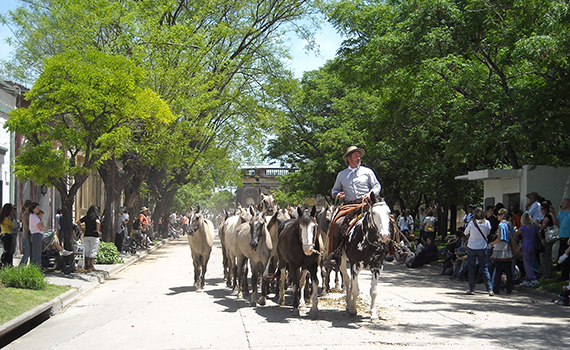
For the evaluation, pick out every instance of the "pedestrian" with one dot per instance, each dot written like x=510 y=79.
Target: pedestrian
x=477 y=232
x=25 y=238
x=547 y=220
x=502 y=254
x=91 y=236
x=122 y=221
x=563 y=220
x=529 y=232
x=7 y=216
x=428 y=226
x=37 y=229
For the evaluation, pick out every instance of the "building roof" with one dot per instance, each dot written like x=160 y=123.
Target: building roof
x=490 y=174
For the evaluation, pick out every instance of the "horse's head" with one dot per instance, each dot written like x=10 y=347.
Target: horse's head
x=324 y=217
x=267 y=204
x=380 y=213
x=195 y=221
x=292 y=211
x=257 y=226
x=307 y=229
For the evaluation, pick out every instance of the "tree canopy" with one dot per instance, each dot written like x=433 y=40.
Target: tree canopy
x=432 y=90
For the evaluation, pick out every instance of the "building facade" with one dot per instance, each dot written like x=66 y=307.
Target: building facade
x=510 y=186
x=258 y=180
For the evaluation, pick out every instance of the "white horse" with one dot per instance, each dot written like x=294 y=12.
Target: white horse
x=201 y=239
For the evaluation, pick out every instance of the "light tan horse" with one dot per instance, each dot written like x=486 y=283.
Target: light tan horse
x=201 y=239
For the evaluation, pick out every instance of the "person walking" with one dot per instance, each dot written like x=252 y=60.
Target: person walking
x=91 y=236
x=502 y=254
x=477 y=231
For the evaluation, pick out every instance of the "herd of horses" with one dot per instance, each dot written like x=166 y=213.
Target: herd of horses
x=289 y=245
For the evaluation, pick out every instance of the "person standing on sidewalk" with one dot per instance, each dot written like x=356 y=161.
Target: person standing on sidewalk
x=37 y=230
x=7 y=224
x=563 y=219
x=91 y=236
x=25 y=239
x=477 y=231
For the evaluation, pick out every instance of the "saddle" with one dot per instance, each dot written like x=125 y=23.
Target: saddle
x=350 y=210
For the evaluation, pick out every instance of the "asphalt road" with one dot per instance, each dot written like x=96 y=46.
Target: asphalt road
x=153 y=305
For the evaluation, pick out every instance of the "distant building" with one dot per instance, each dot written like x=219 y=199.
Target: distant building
x=510 y=186
x=258 y=180
x=11 y=98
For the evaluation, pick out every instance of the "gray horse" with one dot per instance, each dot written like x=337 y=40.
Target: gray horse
x=254 y=244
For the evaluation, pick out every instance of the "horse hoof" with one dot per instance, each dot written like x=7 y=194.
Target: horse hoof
x=313 y=313
x=261 y=301
x=240 y=296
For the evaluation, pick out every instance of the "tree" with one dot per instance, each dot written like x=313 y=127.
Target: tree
x=83 y=108
x=207 y=60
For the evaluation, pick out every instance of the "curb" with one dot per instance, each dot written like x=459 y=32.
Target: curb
x=61 y=301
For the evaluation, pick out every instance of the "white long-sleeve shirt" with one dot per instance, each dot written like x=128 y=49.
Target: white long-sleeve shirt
x=356 y=183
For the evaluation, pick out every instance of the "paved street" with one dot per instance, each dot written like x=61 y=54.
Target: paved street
x=153 y=305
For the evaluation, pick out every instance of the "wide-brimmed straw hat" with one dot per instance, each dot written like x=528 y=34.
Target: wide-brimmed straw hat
x=352 y=149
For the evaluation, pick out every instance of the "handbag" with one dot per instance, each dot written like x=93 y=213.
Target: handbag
x=517 y=252
x=551 y=234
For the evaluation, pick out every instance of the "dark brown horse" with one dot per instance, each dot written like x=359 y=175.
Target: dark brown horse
x=298 y=250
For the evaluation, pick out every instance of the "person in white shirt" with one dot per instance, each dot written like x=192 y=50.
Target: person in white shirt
x=477 y=231
x=534 y=206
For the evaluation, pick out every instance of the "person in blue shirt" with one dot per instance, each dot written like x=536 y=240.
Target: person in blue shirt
x=563 y=220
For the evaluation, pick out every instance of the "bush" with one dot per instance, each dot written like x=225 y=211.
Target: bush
x=108 y=254
x=26 y=277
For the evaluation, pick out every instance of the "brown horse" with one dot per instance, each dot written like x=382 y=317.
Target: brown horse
x=298 y=249
x=200 y=238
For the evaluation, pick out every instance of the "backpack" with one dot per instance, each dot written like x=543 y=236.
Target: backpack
x=137 y=224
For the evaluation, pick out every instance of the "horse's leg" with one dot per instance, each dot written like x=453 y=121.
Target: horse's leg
x=302 y=287
x=337 y=283
x=314 y=299
x=345 y=278
x=376 y=271
x=295 y=279
x=282 y=277
x=354 y=290
x=239 y=270
x=196 y=262
x=206 y=258
x=253 y=300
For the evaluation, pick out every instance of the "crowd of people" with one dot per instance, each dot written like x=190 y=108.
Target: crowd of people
x=500 y=247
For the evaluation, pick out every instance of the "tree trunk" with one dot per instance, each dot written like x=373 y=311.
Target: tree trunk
x=115 y=179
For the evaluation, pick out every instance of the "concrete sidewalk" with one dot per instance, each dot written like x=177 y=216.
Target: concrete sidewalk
x=80 y=283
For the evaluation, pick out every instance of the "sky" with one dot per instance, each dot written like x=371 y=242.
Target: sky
x=327 y=38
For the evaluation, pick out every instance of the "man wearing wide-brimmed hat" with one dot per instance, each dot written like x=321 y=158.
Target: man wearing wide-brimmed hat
x=353 y=185
x=356 y=181
x=534 y=206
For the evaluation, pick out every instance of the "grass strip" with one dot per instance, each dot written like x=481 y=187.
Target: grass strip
x=16 y=301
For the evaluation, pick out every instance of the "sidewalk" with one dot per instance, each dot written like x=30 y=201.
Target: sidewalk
x=80 y=283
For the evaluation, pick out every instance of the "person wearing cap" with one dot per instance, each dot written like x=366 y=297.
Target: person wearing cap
x=534 y=206
x=355 y=183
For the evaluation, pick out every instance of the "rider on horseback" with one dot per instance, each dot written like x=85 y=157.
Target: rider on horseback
x=353 y=185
